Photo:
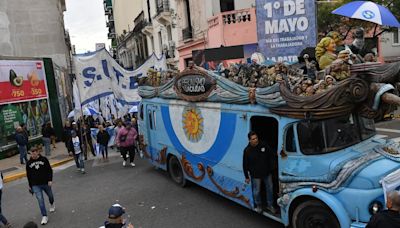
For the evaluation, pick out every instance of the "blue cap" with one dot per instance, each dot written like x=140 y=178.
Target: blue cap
x=115 y=211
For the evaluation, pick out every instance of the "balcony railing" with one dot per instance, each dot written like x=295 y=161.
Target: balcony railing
x=162 y=6
x=139 y=26
x=233 y=17
x=187 y=33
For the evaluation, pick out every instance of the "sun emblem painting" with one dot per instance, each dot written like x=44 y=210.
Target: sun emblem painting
x=192 y=122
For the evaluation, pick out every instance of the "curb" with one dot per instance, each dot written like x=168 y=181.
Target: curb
x=20 y=175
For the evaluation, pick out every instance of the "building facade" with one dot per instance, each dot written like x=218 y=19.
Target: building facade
x=211 y=24
x=390 y=45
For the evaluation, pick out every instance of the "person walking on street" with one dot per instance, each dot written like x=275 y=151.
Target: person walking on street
x=67 y=138
x=389 y=218
x=102 y=139
x=87 y=140
x=257 y=168
x=126 y=141
x=47 y=135
x=117 y=128
x=77 y=152
x=40 y=179
x=2 y=218
x=115 y=218
x=22 y=143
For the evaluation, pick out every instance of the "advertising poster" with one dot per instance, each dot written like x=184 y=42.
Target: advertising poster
x=285 y=28
x=33 y=114
x=21 y=80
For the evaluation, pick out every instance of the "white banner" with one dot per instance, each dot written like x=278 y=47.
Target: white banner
x=99 y=75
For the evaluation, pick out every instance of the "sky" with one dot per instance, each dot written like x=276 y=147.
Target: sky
x=86 y=23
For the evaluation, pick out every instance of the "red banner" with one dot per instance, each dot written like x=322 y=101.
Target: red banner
x=21 y=80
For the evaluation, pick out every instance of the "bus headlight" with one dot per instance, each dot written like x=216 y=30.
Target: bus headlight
x=375 y=207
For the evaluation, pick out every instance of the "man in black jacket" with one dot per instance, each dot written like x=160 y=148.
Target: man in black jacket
x=40 y=177
x=257 y=167
x=389 y=218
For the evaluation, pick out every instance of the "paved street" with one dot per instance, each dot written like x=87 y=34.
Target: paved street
x=150 y=197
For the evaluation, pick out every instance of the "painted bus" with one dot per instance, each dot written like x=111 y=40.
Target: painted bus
x=328 y=166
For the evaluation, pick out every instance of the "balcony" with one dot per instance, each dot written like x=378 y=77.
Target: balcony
x=108 y=11
x=227 y=28
x=148 y=28
x=111 y=18
x=111 y=35
x=107 y=3
x=110 y=24
x=163 y=12
x=187 y=34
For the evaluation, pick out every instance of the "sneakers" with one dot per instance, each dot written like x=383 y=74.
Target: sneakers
x=133 y=164
x=83 y=171
x=52 y=207
x=44 y=220
x=124 y=163
x=272 y=209
x=258 y=209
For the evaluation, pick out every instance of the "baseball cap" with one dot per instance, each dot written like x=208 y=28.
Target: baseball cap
x=115 y=211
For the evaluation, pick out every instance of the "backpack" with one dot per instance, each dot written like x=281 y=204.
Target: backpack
x=122 y=138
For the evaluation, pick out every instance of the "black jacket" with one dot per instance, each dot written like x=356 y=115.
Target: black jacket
x=113 y=225
x=385 y=219
x=257 y=161
x=21 y=139
x=47 y=132
x=103 y=137
x=39 y=171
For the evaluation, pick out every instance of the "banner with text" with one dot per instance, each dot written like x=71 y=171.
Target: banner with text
x=99 y=75
x=285 y=28
x=21 y=80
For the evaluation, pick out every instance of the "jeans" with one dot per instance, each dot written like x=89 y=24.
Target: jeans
x=46 y=143
x=38 y=190
x=103 y=149
x=130 y=150
x=22 y=154
x=256 y=187
x=2 y=218
x=79 y=161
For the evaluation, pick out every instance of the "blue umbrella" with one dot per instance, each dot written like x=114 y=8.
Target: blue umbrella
x=368 y=11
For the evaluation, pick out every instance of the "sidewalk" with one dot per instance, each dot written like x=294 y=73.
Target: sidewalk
x=13 y=170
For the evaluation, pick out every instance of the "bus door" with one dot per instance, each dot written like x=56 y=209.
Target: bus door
x=152 y=129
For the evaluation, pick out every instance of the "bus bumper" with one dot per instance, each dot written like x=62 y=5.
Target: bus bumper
x=358 y=225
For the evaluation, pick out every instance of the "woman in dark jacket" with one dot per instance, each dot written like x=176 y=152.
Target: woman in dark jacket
x=102 y=140
x=67 y=138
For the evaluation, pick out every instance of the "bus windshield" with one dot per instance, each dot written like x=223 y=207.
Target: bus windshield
x=325 y=136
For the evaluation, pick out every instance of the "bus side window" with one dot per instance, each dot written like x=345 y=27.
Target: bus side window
x=154 y=120
x=151 y=119
x=290 y=142
x=141 y=111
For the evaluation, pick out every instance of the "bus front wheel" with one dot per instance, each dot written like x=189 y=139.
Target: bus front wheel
x=314 y=214
x=175 y=171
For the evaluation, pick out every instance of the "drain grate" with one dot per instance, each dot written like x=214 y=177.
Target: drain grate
x=9 y=170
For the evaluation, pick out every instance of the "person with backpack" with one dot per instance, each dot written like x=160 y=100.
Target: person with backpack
x=126 y=141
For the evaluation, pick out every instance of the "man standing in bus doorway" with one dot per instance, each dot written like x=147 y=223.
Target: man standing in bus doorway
x=389 y=218
x=257 y=168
